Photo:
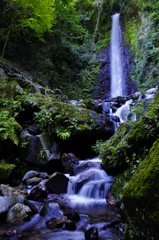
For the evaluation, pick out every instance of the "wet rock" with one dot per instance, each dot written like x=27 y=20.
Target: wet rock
x=92 y=234
x=33 y=181
x=69 y=225
x=43 y=175
x=38 y=192
x=111 y=200
x=6 y=190
x=69 y=161
x=59 y=222
x=136 y=95
x=7 y=202
x=57 y=183
x=18 y=213
x=7 y=234
x=51 y=209
x=112 y=224
x=73 y=216
x=85 y=166
x=30 y=174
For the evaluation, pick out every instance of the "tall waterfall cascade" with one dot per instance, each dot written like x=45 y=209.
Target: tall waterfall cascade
x=117 y=80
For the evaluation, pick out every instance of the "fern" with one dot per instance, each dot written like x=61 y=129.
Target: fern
x=8 y=127
x=63 y=133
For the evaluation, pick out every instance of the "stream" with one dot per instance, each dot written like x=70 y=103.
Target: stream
x=86 y=196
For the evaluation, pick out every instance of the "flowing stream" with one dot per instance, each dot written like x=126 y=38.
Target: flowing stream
x=86 y=195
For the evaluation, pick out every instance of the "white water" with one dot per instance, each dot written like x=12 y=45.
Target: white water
x=89 y=186
x=117 y=83
x=124 y=111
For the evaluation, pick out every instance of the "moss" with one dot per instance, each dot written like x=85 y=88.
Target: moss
x=141 y=197
x=5 y=170
x=120 y=181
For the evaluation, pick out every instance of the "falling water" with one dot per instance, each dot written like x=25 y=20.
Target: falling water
x=116 y=62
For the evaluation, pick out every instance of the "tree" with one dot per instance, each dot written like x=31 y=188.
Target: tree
x=21 y=15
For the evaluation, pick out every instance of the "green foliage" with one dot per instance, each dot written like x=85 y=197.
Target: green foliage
x=8 y=127
x=63 y=119
x=131 y=143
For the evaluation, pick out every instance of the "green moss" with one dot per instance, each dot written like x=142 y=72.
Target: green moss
x=5 y=170
x=141 y=197
x=120 y=181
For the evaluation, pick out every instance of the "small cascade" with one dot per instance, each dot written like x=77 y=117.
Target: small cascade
x=124 y=112
x=91 y=184
x=117 y=80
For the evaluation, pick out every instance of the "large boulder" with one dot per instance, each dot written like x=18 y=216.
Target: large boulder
x=57 y=183
x=141 y=199
x=7 y=202
x=18 y=213
x=39 y=149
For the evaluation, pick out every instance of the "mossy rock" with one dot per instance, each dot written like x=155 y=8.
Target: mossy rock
x=141 y=199
x=120 y=181
x=5 y=171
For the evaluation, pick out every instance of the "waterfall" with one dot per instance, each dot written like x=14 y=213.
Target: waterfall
x=90 y=184
x=117 y=82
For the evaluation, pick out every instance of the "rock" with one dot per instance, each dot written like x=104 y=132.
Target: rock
x=59 y=222
x=57 y=183
x=7 y=202
x=33 y=181
x=2 y=74
x=38 y=192
x=51 y=209
x=69 y=162
x=136 y=95
x=39 y=149
x=18 y=213
x=92 y=234
x=29 y=175
x=70 y=226
x=10 y=191
x=85 y=166
x=110 y=199
x=73 y=216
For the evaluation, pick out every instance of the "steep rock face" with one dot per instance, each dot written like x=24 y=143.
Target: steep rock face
x=141 y=199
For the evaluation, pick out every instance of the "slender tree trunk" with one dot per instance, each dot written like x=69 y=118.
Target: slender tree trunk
x=6 y=41
x=7 y=37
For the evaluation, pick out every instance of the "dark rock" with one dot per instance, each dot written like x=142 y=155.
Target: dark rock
x=69 y=162
x=37 y=193
x=59 y=222
x=85 y=166
x=69 y=225
x=57 y=183
x=73 y=216
x=92 y=234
